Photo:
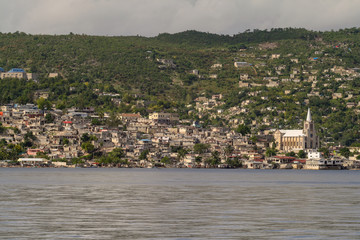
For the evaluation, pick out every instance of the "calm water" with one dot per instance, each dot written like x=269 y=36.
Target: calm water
x=179 y=204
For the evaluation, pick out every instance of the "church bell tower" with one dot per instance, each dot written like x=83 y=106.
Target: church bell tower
x=311 y=139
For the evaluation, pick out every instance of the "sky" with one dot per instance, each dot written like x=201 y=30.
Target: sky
x=151 y=17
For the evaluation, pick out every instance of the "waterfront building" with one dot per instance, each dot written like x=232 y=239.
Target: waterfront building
x=32 y=161
x=316 y=162
x=296 y=140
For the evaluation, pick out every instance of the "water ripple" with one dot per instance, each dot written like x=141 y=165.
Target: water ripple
x=178 y=204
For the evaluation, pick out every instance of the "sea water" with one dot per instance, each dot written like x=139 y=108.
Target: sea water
x=178 y=204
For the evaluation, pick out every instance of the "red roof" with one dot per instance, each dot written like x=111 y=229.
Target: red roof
x=66 y=122
x=258 y=160
x=285 y=157
x=300 y=161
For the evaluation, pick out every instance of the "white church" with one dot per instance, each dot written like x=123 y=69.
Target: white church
x=296 y=140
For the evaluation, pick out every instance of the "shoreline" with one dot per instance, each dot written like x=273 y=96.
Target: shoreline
x=224 y=168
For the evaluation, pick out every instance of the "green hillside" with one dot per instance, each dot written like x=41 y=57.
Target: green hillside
x=154 y=74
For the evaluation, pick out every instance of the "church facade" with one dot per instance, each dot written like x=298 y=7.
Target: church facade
x=296 y=140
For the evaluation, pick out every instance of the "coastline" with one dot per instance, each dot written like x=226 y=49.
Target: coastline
x=176 y=167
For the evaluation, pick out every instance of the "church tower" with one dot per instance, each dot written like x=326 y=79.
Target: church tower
x=311 y=139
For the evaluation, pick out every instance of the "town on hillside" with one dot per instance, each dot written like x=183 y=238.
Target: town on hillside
x=266 y=99
x=43 y=136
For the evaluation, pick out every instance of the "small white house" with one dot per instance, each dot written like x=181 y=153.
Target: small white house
x=313 y=154
x=32 y=161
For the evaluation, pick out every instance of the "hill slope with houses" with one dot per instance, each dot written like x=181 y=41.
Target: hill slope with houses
x=261 y=79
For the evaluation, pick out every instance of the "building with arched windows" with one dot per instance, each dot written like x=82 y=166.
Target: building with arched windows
x=296 y=140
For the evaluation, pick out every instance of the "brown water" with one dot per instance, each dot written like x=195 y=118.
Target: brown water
x=178 y=204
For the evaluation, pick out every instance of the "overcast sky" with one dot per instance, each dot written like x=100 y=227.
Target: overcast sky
x=151 y=17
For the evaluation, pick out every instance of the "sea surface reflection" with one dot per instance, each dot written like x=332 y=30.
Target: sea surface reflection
x=179 y=204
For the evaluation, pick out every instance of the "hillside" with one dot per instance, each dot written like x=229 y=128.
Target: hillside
x=286 y=71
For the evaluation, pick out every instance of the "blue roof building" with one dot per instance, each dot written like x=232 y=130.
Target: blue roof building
x=16 y=70
x=1 y=69
x=18 y=73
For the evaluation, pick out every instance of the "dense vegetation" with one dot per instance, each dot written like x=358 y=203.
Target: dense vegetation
x=153 y=74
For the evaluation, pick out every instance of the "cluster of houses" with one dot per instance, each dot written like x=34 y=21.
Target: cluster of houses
x=159 y=135
x=18 y=73
x=162 y=134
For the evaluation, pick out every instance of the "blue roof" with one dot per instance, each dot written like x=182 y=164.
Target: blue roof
x=1 y=69
x=16 y=70
x=145 y=140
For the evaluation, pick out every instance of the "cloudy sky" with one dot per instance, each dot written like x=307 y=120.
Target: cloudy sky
x=151 y=17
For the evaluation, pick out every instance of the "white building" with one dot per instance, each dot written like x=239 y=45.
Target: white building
x=32 y=161
x=296 y=140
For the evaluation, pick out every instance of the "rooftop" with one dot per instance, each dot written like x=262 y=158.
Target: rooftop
x=292 y=133
x=16 y=70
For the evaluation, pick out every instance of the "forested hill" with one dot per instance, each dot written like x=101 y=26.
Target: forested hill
x=196 y=38
x=284 y=72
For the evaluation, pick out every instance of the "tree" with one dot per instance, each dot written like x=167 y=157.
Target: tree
x=189 y=79
x=208 y=161
x=29 y=139
x=253 y=139
x=4 y=155
x=88 y=147
x=113 y=120
x=42 y=155
x=96 y=122
x=43 y=104
x=200 y=148
x=104 y=160
x=29 y=135
x=243 y=129
x=325 y=152
x=87 y=138
x=117 y=153
x=49 y=118
x=76 y=161
x=234 y=162
x=165 y=160
x=270 y=152
x=143 y=154
x=13 y=151
x=345 y=152
x=301 y=154
x=127 y=98
x=3 y=143
x=2 y=129
x=215 y=158
x=113 y=158
x=181 y=153
x=229 y=149
x=65 y=141
x=291 y=154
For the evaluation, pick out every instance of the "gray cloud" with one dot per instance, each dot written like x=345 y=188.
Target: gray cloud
x=150 y=17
